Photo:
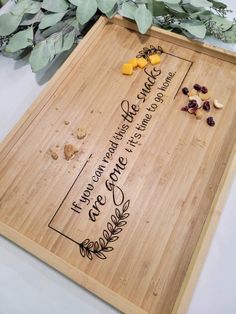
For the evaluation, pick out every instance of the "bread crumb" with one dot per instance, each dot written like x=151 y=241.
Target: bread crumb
x=70 y=151
x=81 y=133
x=53 y=154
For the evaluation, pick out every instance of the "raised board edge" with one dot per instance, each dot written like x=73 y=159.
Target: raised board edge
x=200 y=253
x=180 y=40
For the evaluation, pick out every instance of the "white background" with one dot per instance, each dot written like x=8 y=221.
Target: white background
x=28 y=286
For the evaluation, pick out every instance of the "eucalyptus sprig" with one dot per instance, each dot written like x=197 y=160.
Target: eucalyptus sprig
x=45 y=28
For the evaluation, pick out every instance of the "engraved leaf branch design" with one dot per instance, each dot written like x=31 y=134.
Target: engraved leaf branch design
x=103 y=245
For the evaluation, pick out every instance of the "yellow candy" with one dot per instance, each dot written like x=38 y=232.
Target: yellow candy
x=142 y=62
x=127 y=69
x=133 y=62
x=155 y=59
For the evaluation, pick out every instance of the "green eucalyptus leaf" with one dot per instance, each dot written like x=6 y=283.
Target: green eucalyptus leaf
x=54 y=44
x=26 y=6
x=58 y=41
x=222 y=22
x=191 y=9
x=128 y=9
x=20 y=40
x=177 y=10
x=39 y=56
x=201 y=3
x=159 y=8
x=74 y=2
x=218 y=4
x=143 y=18
x=58 y=27
x=16 y=55
x=33 y=8
x=73 y=22
x=68 y=40
x=106 y=5
x=85 y=10
x=230 y=35
x=20 y=7
x=57 y=6
x=171 y=1
x=195 y=28
x=203 y=15
x=46 y=50
x=113 y=12
x=51 y=48
x=50 y=20
x=28 y=19
x=9 y=23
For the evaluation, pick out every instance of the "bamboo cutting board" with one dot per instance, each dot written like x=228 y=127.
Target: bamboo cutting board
x=124 y=217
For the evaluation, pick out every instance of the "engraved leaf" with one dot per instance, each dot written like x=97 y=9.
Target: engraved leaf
x=117 y=211
x=109 y=227
x=96 y=246
x=90 y=245
x=125 y=216
x=114 y=238
x=82 y=250
x=122 y=223
x=100 y=255
x=126 y=206
x=85 y=242
x=117 y=230
x=108 y=249
x=114 y=219
x=102 y=242
x=89 y=254
x=106 y=234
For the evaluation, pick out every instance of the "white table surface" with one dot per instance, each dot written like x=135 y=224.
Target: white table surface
x=28 y=286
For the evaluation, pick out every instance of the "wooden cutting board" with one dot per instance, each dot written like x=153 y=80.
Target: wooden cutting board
x=124 y=217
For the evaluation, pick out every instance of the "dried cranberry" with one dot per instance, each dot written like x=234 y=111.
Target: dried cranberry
x=197 y=87
x=185 y=108
x=204 y=90
x=192 y=104
x=206 y=106
x=210 y=121
x=185 y=91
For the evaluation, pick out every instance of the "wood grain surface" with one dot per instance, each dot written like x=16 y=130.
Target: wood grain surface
x=124 y=217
